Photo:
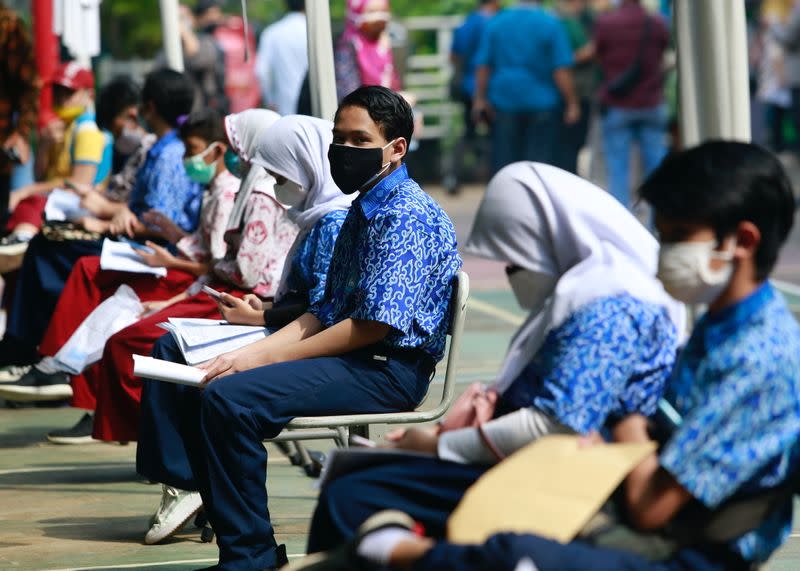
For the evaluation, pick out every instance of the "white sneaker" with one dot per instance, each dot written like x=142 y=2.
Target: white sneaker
x=13 y=373
x=176 y=508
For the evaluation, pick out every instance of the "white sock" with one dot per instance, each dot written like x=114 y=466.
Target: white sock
x=48 y=366
x=378 y=546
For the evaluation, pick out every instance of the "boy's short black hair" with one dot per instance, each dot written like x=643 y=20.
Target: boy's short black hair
x=387 y=108
x=296 y=5
x=723 y=183
x=122 y=92
x=171 y=93
x=206 y=124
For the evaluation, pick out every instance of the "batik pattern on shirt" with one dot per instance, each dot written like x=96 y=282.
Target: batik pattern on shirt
x=737 y=388
x=208 y=241
x=162 y=184
x=257 y=253
x=311 y=260
x=611 y=358
x=394 y=262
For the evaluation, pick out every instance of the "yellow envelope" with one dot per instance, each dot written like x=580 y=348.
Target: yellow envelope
x=551 y=488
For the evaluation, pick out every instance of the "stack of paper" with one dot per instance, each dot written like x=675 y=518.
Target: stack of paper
x=159 y=370
x=203 y=339
x=63 y=205
x=122 y=257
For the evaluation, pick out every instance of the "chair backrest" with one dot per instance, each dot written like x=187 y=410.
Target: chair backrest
x=458 y=313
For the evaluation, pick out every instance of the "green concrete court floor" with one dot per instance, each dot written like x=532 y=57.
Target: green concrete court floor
x=84 y=507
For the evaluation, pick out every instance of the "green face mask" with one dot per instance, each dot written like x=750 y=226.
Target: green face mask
x=198 y=170
x=233 y=163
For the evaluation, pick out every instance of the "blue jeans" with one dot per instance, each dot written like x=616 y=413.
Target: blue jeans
x=210 y=440
x=525 y=136
x=622 y=127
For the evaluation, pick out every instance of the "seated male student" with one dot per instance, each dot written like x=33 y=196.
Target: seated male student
x=370 y=344
x=722 y=211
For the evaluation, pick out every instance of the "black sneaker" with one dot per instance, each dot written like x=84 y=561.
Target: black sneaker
x=81 y=433
x=37 y=386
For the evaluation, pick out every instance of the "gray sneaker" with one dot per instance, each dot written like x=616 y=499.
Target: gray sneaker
x=13 y=373
x=176 y=509
x=36 y=386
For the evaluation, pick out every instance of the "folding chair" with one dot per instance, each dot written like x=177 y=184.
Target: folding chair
x=339 y=427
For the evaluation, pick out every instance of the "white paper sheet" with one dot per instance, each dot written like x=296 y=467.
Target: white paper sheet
x=196 y=332
x=194 y=355
x=159 y=370
x=63 y=205
x=122 y=257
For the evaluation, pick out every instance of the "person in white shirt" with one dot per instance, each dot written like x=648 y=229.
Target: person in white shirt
x=282 y=59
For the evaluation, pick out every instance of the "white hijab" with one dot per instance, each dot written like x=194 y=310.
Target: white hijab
x=542 y=218
x=243 y=130
x=296 y=147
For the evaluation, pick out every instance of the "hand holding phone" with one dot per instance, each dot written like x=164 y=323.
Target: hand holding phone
x=212 y=292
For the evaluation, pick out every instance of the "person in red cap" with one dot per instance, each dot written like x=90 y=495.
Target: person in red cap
x=73 y=150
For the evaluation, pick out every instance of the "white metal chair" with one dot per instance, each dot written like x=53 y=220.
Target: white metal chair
x=338 y=427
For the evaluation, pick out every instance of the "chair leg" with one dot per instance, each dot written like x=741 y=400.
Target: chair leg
x=343 y=438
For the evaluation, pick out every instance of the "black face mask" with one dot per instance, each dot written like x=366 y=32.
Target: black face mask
x=353 y=168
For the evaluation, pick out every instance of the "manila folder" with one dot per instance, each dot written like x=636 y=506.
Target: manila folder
x=550 y=488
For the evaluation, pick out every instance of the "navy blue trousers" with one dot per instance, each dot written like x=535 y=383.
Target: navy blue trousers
x=210 y=440
x=427 y=489
x=504 y=551
x=45 y=269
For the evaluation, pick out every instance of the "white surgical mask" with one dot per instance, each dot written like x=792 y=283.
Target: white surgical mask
x=290 y=194
x=685 y=270
x=531 y=288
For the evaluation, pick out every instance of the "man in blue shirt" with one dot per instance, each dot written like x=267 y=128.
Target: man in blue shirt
x=524 y=84
x=369 y=346
x=723 y=210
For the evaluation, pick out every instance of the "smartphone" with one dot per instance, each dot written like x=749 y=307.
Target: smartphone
x=212 y=292
x=361 y=442
x=136 y=245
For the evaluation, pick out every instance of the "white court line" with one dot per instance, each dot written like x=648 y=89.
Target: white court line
x=153 y=564
x=495 y=311
x=62 y=468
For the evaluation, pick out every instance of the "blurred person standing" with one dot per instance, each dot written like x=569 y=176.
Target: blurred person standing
x=363 y=53
x=19 y=98
x=523 y=82
x=629 y=46
x=773 y=92
x=202 y=56
x=240 y=89
x=282 y=60
x=466 y=41
x=788 y=36
x=578 y=21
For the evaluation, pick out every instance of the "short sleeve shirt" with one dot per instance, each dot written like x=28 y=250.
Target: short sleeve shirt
x=311 y=260
x=394 y=262
x=84 y=144
x=610 y=358
x=162 y=184
x=737 y=388
x=523 y=46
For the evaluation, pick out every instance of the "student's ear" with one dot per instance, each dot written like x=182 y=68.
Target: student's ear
x=398 y=150
x=219 y=150
x=748 y=238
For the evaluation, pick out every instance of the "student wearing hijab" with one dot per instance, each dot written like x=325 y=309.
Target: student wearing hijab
x=293 y=150
x=363 y=54
x=598 y=344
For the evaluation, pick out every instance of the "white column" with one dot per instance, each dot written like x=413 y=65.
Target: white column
x=322 y=78
x=171 y=34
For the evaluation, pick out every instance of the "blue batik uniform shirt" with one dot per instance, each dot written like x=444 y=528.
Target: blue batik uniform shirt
x=312 y=258
x=162 y=184
x=611 y=358
x=737 y=389
x=394 y=262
